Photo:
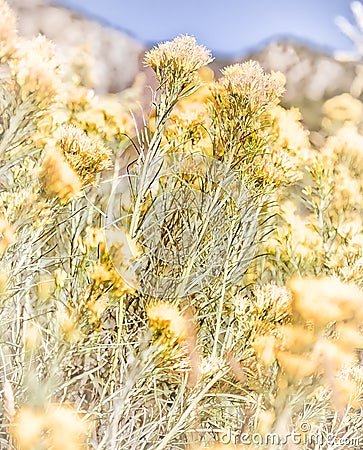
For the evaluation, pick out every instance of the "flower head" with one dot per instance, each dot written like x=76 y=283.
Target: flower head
x=7 y=235
x=296 y=367
x=264 y=346
x=8 y=32
x=239 y=107
x=342 y=109
x=85 y=155
x=181 y=54
x=27 y=427
x=60 y=277
x=249 y=81
x=324 y=300
x=36 y=70
x=166 y=319
x=106 y=277
x=289 y=134
x=58 y=427
x=176 y=63
x=66 y=428
x=58 y=178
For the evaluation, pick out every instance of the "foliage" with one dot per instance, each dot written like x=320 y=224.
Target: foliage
x=190 y=278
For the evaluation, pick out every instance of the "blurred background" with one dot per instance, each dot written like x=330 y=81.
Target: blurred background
x=317 y=44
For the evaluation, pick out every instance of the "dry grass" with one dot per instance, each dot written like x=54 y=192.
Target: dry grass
x=207 y=294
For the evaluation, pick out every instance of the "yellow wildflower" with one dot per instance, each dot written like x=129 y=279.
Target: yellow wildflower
x=86 y=156
x=27 y=427
x=181 y=58
x=296 y=339
x=289 y=134
x=7 y=235
x=58 y=427
x=166 y=319
x=67 y=431
x=249 y=82
x=60 y=277
x=68 y=327
x=296 y=367
x=341 y=109
x=324 y=300
x=8 y=32
x=36 y=70
x=264 y=347
x=58 y=178
x=104 y=275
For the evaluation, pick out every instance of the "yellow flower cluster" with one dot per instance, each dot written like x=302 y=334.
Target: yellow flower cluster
x=35 y=68
x=101 y=116
x=249 y=84
x=322 y=301
x=298 y=233
x=341 y=110
x=86 y=156
x=8 y=32
x=167 y=322
x=58 y=427
x=104 y=276
x=58 y=178
x=251 y=132
x=123 y=251
x=303 y=349
x=7 y=235
x=68 y=326
x=289 y=149
x=187 y=132
x=345 y=146
x=270 y=307
x=238 y=103
x=178 y=61
x=290 y=135
x=276 y=168
x=60 y=277
x=326 y=300
x=110 y=274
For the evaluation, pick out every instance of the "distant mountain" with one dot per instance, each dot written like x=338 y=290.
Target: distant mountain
x=115 y=58
x=311 y=76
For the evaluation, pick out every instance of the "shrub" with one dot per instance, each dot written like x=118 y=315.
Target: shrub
x=206 y=293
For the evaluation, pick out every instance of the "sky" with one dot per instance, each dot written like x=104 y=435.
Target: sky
x=227 y=27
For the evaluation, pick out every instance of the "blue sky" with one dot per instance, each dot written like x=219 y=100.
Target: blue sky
x=230 y=27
